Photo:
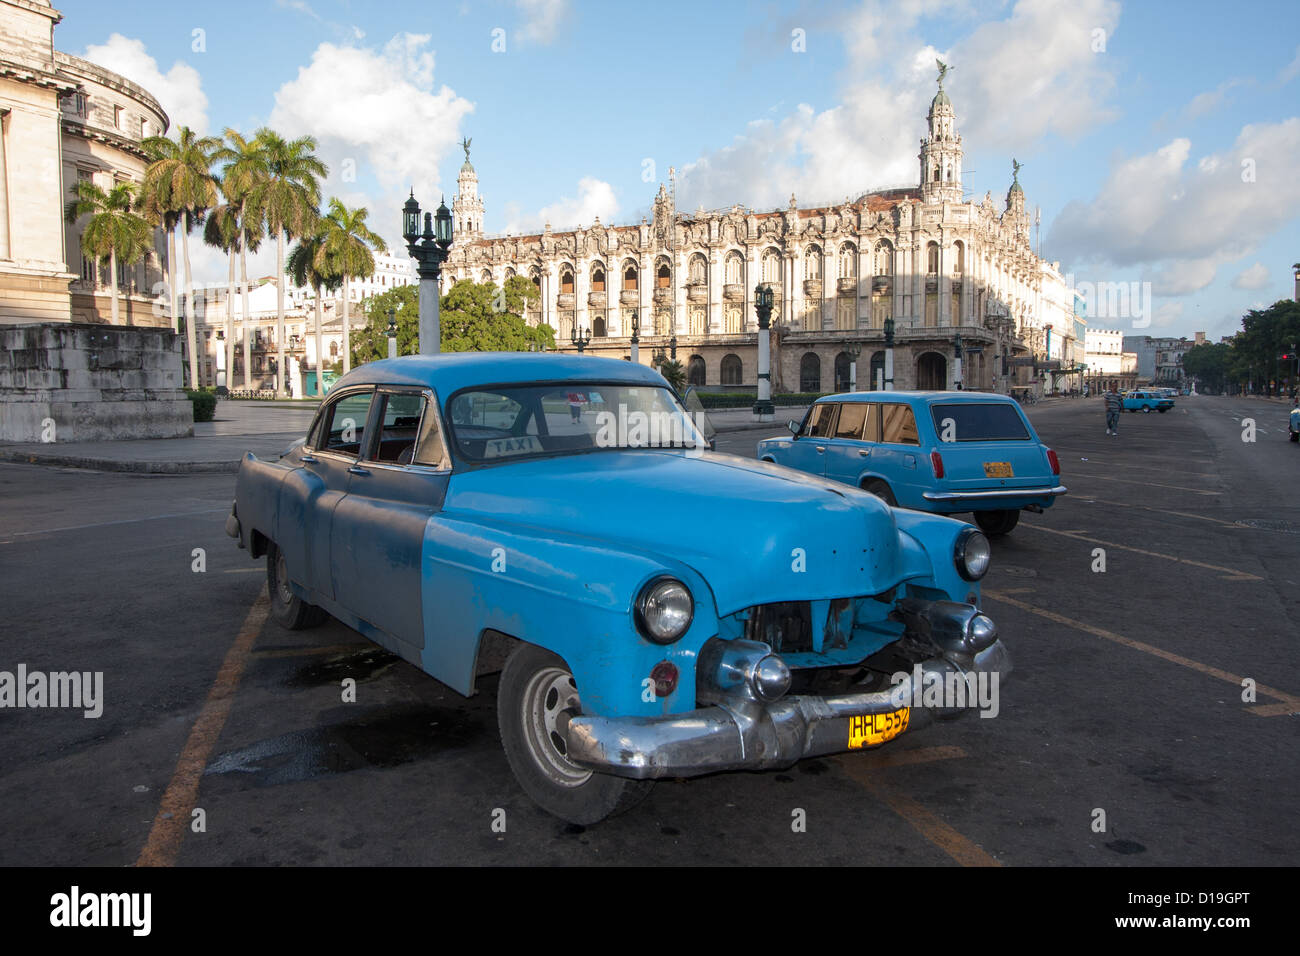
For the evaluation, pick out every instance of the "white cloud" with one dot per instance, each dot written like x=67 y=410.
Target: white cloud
x=300 y=5
x=541 y=19
x=1013 y=81
x=1167 y=313
x=375 y=113
x=179 y=90
x=595 y=199
x=1291 y=70
x=1185 y=220
x=1256 y=277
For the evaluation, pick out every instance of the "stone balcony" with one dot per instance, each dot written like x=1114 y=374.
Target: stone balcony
x=597 y=300
x=847 y=285
x=629 y=297
x=697 y=292
x=812 y=288
x=564 y=301
x=733 y=292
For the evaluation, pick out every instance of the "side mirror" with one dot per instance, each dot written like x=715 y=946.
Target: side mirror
x=793 y=426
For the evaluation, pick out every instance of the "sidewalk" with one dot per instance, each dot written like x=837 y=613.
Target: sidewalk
x=266 y=429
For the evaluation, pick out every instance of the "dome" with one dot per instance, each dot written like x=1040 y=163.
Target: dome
x=465 y=167
x=940 y=99
x=1015 y=189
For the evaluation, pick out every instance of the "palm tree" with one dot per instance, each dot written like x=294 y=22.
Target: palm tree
x=155 y=198
x=302 y=267
x=287 y=198
x=115 y=230
x=346 y=253
x=180 y=180
x=244 y=171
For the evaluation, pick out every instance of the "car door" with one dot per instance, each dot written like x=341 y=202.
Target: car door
x=310 y=494
x=808 y=451
x=396 y=486
x=850 y=447
x=895 y=458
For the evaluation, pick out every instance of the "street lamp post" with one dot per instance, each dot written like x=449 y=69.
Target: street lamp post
x=429 y=250
x=956 y=363
x=672 y=346
x=636 y=338
x=889 y=354
x=392 y=333
x=764 y=410
x=853 y=351
x=580 y=338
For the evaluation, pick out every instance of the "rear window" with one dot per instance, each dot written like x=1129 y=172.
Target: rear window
x=971 y=421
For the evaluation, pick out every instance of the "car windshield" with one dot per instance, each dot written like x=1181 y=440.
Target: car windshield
x=978 y=421
x=520 y=421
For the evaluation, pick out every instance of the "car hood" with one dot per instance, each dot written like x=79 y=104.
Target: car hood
x=756 y=532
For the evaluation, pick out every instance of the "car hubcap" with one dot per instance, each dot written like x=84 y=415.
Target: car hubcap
x=282 y=579
x=550 y=699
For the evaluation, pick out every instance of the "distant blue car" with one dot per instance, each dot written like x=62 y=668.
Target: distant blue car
x=655 y=608
x=1293 y=424
x=943 y=452
x=1145 y=400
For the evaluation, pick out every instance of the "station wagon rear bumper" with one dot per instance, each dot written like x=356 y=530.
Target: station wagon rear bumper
x=996 y=494
x=745 y=734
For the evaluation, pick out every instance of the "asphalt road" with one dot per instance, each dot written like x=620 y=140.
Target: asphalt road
x=1127 y=695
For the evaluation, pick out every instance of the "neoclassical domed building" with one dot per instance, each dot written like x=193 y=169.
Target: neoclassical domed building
x=955 y=276
x=64 y=119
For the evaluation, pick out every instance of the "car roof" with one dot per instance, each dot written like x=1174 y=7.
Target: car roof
x=917 y=397
x=452 y=371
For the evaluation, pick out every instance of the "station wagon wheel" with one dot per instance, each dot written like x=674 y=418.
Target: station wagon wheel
x=997 y=522
x=289 y=611
x=536 y=698
x=880 y=490
x=1146 y=409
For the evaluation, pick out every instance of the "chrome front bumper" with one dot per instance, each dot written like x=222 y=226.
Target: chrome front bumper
x=745 y=734
x=1040 y=492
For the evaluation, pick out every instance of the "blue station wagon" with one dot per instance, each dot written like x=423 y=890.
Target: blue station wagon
x=943 y=452
x=1147 y=400
x=655 y=608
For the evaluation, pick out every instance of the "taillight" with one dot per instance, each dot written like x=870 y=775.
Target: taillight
x=936 y=462
x=1054 y=462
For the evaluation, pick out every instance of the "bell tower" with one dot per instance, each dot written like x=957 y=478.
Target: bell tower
x=467 y=206
x=941 y=150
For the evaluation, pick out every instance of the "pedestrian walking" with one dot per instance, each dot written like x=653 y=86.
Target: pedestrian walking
x=575 y=406
x=1114 y=404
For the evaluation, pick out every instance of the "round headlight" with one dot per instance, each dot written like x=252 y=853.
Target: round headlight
x=771 y=678
x=981 y=632
x=972 y=555
x=664 y=610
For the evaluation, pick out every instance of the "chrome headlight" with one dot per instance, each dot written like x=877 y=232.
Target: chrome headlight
x=771 y=678
x=972 y=554
x=664 y=610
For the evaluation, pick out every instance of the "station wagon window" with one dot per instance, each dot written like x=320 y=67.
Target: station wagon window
x=854 y=420
x=821 y=420
x=345 y=425
x=898 y=425
x=976 y=421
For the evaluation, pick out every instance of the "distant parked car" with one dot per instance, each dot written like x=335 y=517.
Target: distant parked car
x=648 y=597
x=1293 y=428
x=943 y=452
x=1146 y=400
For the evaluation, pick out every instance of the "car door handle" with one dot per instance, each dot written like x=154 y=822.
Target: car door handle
x=864 y=452
x=308 y=459
x=358 y=470
x=820 y=449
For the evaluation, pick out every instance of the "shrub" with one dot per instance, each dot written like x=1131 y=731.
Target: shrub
x=205 y=404
x=747 y=399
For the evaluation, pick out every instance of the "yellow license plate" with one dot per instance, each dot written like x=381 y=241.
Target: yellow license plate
x=872 y=729
x=998 y=469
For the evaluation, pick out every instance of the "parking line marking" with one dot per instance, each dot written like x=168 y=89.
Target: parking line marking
x=108 y=524
x=1289 y=699
x=1272 y=710
x=1147 y=484
x=963 y=850
x=1230 y=574
x=879 y=759
x=1163 y=511
x=173 y=817
x=311 y=651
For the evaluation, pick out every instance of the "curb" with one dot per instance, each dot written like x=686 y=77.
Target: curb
x=117 y=465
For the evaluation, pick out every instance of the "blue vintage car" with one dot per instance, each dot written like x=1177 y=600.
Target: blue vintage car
x=1146 y=400
x=943 y=452
x=1293 y=424
x=661 y=609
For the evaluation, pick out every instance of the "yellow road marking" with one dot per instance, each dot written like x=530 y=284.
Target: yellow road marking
x=1290 y=699
x=311 y=651
x=1146 y=484
x=173 y=817
x=1272 y=710
x=879 y=759
x=1230 y=574
x=960 y=848
x=1163 y=511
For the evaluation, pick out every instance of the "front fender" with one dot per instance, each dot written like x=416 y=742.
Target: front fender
x=930 y=544
x=573 y=596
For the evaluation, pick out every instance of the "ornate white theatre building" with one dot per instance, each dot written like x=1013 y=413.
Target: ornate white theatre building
x=955 y=276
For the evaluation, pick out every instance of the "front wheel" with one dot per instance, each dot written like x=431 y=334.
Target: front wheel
x=1146 y=409
x=997 y=522
x=536 y=699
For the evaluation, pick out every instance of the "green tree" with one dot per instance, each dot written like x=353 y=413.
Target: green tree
x=371 y=343
x=115 y=230
x=305 y=267
x=244 y=170
x=673 y=371
x=1210 y=364
x=346 y=252
x=179 y=181
x=287 y=198
x=480 y=317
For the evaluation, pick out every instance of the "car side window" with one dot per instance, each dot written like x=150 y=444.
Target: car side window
x=898 y=425
x=344 y=431
x=852 y=420
x=399 y=426
x=821 y=420
x=430 y=449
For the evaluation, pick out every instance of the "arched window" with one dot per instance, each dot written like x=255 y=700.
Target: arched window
x=699 y=270
x=486 y=277
x=812 y=263
x=732 y=322
x=598 y=327
x=536 y=275
x=848 y=260
x=630 y=277
x=842 y=372
x=695 y=371
x=960 y=258
x=810 y=373
x=731 y=369
x=884 y=259
x=771 y=266
x=510 y=274
x=877 y=372
x=566 y=281
x=932 y=259
x=663 y=276
x=735 y=268
x=598 y=278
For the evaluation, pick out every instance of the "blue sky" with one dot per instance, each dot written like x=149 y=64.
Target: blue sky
x=1160 y=140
